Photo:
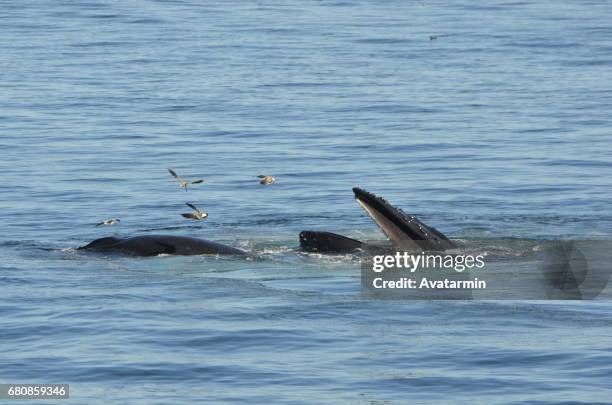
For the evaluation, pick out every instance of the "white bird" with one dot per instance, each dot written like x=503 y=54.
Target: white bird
x=182 y=182
x=112 y=221
x=265 y=180
x=197 y=214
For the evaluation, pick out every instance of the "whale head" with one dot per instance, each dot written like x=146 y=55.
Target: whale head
x=316 y=241
x=405 y=231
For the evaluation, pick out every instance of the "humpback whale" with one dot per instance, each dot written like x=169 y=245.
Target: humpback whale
x=153 y=245
x=406 y=232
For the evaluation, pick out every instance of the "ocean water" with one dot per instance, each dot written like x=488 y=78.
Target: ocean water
x=499 y=127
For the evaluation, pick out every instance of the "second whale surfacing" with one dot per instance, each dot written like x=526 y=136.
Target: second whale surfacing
x=405 y=232
x=154 y=245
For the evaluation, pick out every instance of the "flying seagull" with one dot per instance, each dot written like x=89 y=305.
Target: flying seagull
x=182 y=182
x=197 y=214
x=112 y=221
x=265 y=180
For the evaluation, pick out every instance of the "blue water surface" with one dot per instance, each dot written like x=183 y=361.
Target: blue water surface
x=498 y=126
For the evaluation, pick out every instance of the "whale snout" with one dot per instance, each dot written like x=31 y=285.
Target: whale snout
x=315 y=241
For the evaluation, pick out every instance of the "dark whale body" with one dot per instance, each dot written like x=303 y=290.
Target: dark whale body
x=153 y=245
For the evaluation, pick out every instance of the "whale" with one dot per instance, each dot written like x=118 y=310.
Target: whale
x=154 y=245
x=406 y=232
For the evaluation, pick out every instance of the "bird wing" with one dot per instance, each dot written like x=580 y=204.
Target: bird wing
x=193 y=207
x=172 y=172
x=197 y=181
x=189 y=215
x=100 y=223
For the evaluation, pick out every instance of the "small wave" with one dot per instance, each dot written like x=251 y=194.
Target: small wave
x=22 y=243
x=384 y=41
x=104 y=16
x=146 y=21
x=169 y=228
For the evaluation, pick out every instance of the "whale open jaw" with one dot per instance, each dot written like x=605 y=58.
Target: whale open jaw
x=404 y=231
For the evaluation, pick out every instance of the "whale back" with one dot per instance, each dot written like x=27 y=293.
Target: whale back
x=153 y=245
x=101 y=244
